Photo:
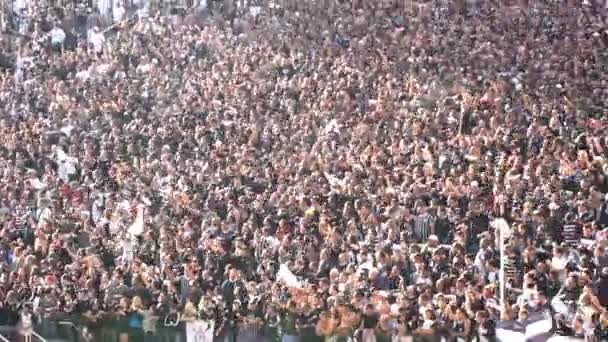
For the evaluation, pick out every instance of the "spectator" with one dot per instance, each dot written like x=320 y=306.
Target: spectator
x=322 y=157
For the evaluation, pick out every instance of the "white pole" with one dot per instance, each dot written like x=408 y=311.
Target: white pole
x=2 y=16
x=502 y=265
x=503 y=231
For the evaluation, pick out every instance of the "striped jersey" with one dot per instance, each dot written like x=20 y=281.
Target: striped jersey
x=571 y=234
x=512 y=267
x=423 y=227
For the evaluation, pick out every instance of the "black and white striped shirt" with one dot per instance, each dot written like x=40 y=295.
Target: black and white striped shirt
x=512 y=267
x=571 y=234
x=423 y=227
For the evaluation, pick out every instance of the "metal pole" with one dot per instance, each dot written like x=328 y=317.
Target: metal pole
x=3 y=9
x=502 y=228
x=502 y=265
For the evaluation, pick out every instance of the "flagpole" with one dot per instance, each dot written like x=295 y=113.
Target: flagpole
x=502 y=265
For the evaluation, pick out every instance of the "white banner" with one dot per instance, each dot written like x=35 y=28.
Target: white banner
x=199 y=331
x=286 y=276
x=565 y=339
x=137 y=228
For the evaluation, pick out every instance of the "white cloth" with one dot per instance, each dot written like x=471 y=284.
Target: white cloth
x=288 y=277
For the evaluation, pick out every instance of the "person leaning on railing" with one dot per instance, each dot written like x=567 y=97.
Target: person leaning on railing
x=288 y=323
x=327 y=325
x=309 y=317
x=601 y=328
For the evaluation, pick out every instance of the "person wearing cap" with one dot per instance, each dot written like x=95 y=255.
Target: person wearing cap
x=342 y=138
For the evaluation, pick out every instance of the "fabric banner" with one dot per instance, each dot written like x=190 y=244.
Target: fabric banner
x=199 y=331
x=137 y=228
x=286 y=276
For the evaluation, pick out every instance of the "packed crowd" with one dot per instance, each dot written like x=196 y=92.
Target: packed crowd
x=316 y=170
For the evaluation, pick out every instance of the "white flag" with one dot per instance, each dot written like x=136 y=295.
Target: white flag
x=66 y=165
x=288 y=277
x=137 y=228
x=502 y=226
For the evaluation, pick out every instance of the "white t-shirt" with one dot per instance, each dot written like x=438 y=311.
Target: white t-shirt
x=118 y=13
x=428 y=324
x=104 y=6
x=144 y=68
x=19 y=5
x=57 y=35
x=97 y=40
x=83 y=75
x=143 y=12
x=104 y=68
x=26 y=321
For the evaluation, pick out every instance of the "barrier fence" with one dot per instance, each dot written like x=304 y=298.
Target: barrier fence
x=80 y=329
x=77 y=329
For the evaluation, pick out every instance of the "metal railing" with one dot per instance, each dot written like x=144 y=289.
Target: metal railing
x=38 y=337
x=73 y=329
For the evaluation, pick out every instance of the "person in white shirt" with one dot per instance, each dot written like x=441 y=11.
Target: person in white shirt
x=97 y=40
x=23 y=20
x=57 y=37
x=19 y=5
x=118 y=11
x=144 y=11
x=20 y=9
x=26 y=323
x=105 y=8
x=22 y=65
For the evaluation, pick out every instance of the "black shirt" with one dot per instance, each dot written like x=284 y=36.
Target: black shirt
x=370 y=321
x=228 y=292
